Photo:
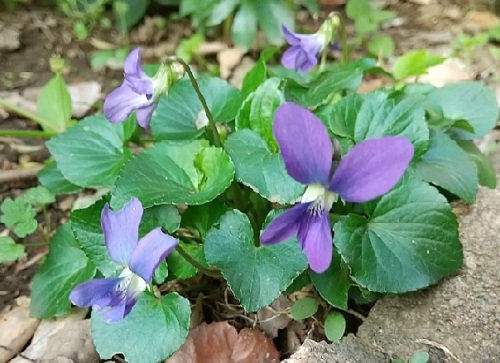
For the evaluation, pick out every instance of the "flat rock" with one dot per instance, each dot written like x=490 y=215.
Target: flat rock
x=458 y=318
x=16 y=329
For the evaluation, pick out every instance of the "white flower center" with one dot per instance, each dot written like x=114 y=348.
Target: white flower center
x=321 y=199
x=131 y=283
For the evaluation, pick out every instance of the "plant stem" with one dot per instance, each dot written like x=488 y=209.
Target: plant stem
x=343 y=42
x=26 y=114
x=195 y=263
x=27 y=133
x=203 y=101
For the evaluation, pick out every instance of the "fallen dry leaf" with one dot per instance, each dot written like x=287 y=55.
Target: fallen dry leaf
x=477 y=21
x=220 y=343
x=228 y=59
x=275 y=317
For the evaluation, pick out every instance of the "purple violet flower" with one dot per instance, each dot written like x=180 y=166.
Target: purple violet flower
x=139 y=258
x=369 y=170
x=304 y=50
x=139 y=91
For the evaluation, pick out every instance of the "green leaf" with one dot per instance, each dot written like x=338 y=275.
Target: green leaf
x=65 y=267
x=465 y=101
x=91 y=153
x=134 y=12
x=161 y=273
x=86 y=225
x=169 y=173
x=52 y=179
x=335 y=325
x=54 y=104
x=19 y=215
x=333 y=284
x=381 y=46
x=38 y=196
x=445 y=164
x=244 y=28
x=356 y=118
x=408 y=241
x=165 y=216
x=221 y=11
x=271 y=14
x=255 y=77
x=10 y=250
x=420 y=357
x=153 y=331
x=485 y=171
x=177 y=113
x=200 y=218
x=415 y=63
x=257 y=112
x=260 y=169
x=256 y=275
x=358 y=8
x=178 y=265
x=304 y=308
x=336 y=80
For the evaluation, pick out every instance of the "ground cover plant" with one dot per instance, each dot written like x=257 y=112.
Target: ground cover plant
x=294 y=179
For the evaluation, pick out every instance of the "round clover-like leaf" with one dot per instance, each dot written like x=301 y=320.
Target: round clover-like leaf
x=171 y=173
x=152 y=332
x=356 y=118
x=255 y=274
x=176 y=114
x=91 y=153
x=335 y=325
x=304 y=308
x=10 y=250
x=408 y=241
x=260 y=169
x=65 y=267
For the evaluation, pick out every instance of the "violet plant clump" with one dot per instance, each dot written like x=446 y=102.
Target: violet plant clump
x=217 y=166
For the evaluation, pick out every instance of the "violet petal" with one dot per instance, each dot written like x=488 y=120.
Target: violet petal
x=121 y=230
x=290 y=37
x=120 y=103
x=288 y=59
x=284 y=226
x=372 y=168
x=98 y=292
x=144 y=114
x=137 y=79
x=315 y=236
x=304 y=144
x=150 y=252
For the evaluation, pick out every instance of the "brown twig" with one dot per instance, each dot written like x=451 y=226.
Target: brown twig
x=9 y=176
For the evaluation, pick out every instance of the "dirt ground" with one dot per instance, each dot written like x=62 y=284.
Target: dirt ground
x=44 y=32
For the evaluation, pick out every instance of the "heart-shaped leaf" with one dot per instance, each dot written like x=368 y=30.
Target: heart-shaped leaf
x=153 y=331
x=256 y=274
x=408 y=241
x=260 y=169
x=176 y=114
x=91 y=153
x=170 y=173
